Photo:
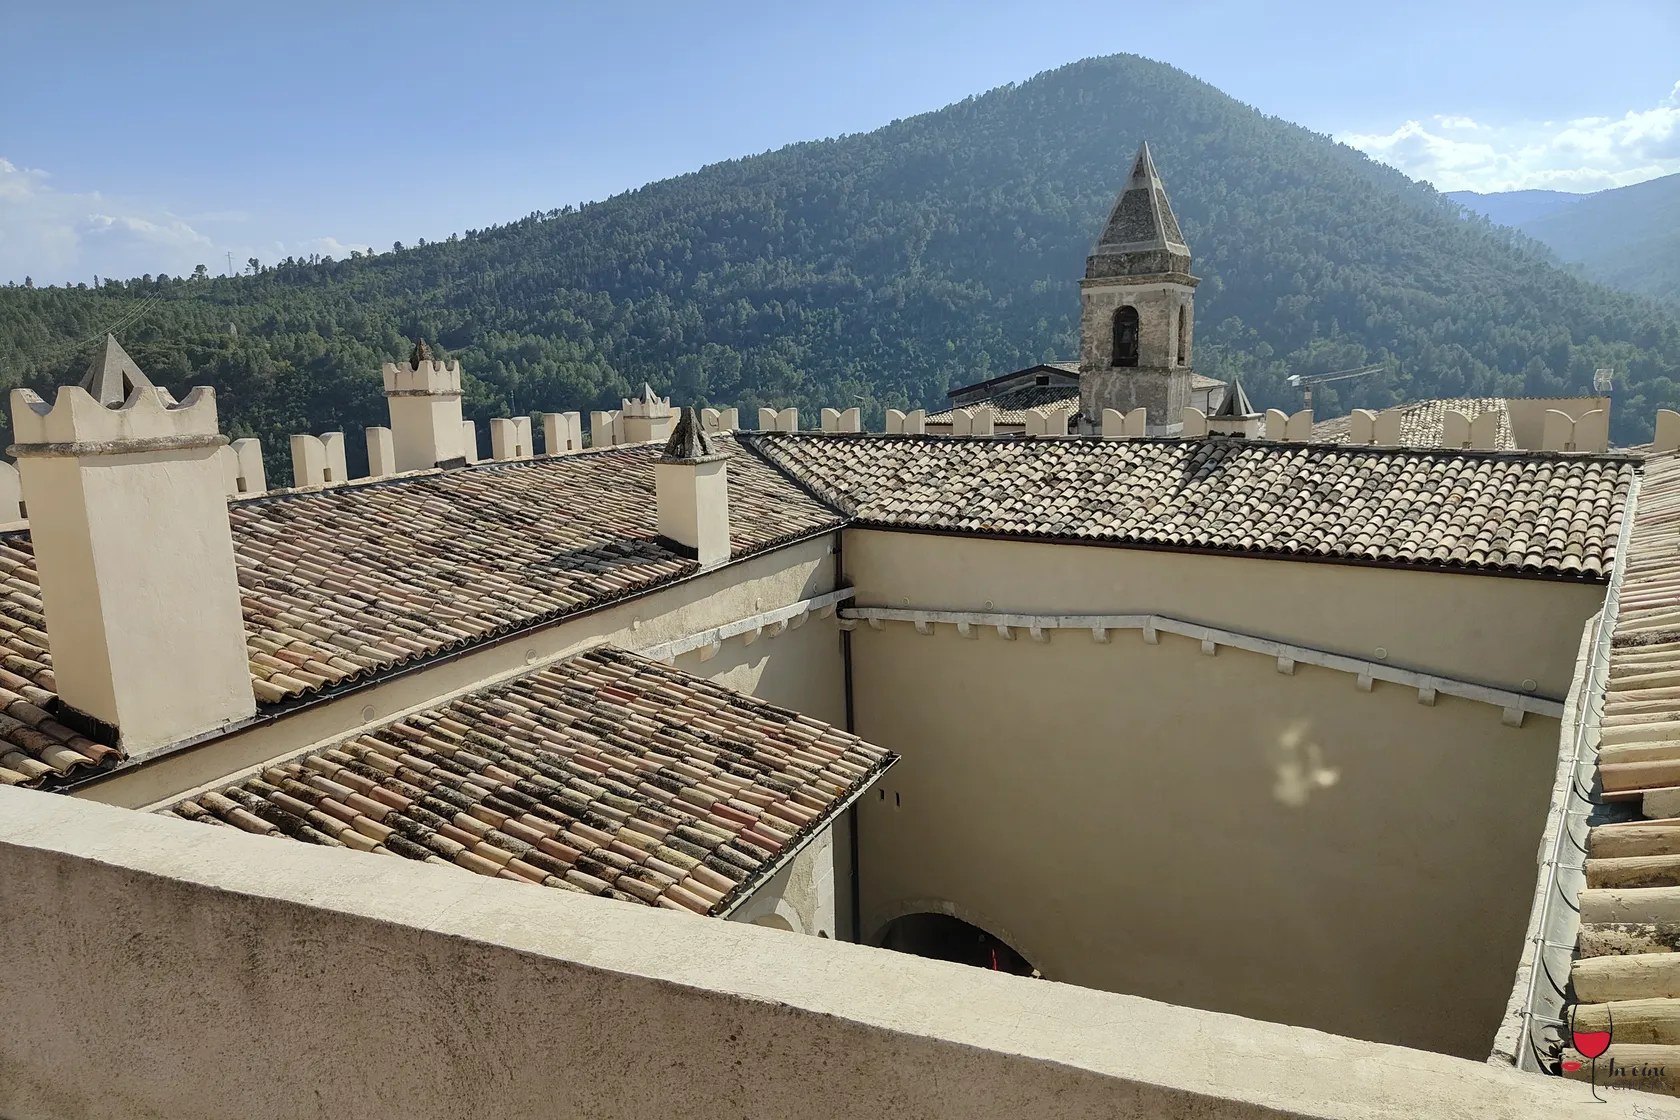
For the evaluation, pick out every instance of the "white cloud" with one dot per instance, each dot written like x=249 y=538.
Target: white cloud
x=1580 y=155
x=56 y=237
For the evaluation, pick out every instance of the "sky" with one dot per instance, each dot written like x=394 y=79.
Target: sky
x=153 y=138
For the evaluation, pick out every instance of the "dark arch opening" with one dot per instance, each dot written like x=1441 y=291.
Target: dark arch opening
x=945 y=938
x=1183 y=335
x=1126 y=337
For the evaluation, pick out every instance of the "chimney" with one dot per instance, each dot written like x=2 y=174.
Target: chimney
x=425 y=400
x=649 y=418
x=691 y=479
x=130 y=530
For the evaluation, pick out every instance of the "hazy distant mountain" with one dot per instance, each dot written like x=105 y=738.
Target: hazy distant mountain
x=1627 y=237
x=887 y=267
x=1513 y=208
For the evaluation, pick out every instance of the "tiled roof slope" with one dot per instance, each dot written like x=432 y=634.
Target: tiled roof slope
x=1011 y=405
x=354 y=580
x=1556 y=515
x=1626 y=960
x=1423 y=423
x=604 y=773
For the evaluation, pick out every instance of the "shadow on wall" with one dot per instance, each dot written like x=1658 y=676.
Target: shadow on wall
x=944 y=938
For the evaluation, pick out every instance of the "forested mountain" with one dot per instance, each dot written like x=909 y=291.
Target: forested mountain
x=889 y=266
x=1626 y=237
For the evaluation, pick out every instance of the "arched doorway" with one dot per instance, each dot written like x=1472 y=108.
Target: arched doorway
x=945 y=938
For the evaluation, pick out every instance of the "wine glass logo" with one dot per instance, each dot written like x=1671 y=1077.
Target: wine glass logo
x=1589 y=1044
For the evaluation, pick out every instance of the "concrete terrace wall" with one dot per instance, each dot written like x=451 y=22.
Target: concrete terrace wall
x=161 y=969
x=1205 y=830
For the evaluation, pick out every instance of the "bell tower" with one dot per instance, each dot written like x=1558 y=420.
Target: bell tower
x=1137 y=309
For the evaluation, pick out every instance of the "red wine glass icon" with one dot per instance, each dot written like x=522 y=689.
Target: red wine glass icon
x=1590 y=1044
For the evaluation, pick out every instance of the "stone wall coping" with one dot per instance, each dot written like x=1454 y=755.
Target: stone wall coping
x=890 y=1033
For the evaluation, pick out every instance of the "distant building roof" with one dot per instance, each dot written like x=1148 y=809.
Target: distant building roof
x=603 y=773
x=1533 y=514
x=1422 y=423
x=1011 y=405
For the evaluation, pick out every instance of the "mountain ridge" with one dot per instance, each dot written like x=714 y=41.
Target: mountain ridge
x=1625 y=237
x=884 y=268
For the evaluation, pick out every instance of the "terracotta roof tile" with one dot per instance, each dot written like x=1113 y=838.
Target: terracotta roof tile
x=1423 y=423
x=1010 y=406
x=351 y=581
x=1549 y=514
x=1637 y=859
x=604 y=773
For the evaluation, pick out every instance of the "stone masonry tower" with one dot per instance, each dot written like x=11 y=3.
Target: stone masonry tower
x=1137 y=309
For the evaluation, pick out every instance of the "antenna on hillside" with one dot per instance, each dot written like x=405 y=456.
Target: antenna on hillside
x=230 y=262
x=1604 y=380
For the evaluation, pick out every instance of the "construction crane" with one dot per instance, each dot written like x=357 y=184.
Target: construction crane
x=1305 y=381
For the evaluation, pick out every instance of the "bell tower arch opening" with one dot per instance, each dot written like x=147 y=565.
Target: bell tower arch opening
x=1126 y=337
x=946 y=938
x=1183 y=334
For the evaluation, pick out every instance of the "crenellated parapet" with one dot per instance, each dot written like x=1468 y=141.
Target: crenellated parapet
x=78 y=424
x=427 y=377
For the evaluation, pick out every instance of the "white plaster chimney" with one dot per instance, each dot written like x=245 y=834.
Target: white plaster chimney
x=130 y=528
x=647 y=419
x=425 y=400
x=691 y=479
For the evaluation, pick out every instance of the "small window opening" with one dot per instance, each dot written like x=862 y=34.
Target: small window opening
x=1183 y=336
x=1126 y=337
x=241 y=485
x=23 y=510
x=1042 y=379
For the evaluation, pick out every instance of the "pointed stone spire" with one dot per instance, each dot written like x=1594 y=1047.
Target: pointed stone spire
x=1142 y=234
x=689 y=443
x=648 y=396
x=113 y=375
x=1235 y=404
x=420 y=353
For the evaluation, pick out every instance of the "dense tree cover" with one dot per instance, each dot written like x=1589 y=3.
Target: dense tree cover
x=1648 y=268
x=1627 y=237
x=888 y=267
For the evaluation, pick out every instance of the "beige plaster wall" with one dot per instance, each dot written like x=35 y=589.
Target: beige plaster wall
x=1485 y=629
x=162 y=969
x=801 y=669
x=1205 y=830
x=800 y=897
x=138 y=582
x=1528 y=415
